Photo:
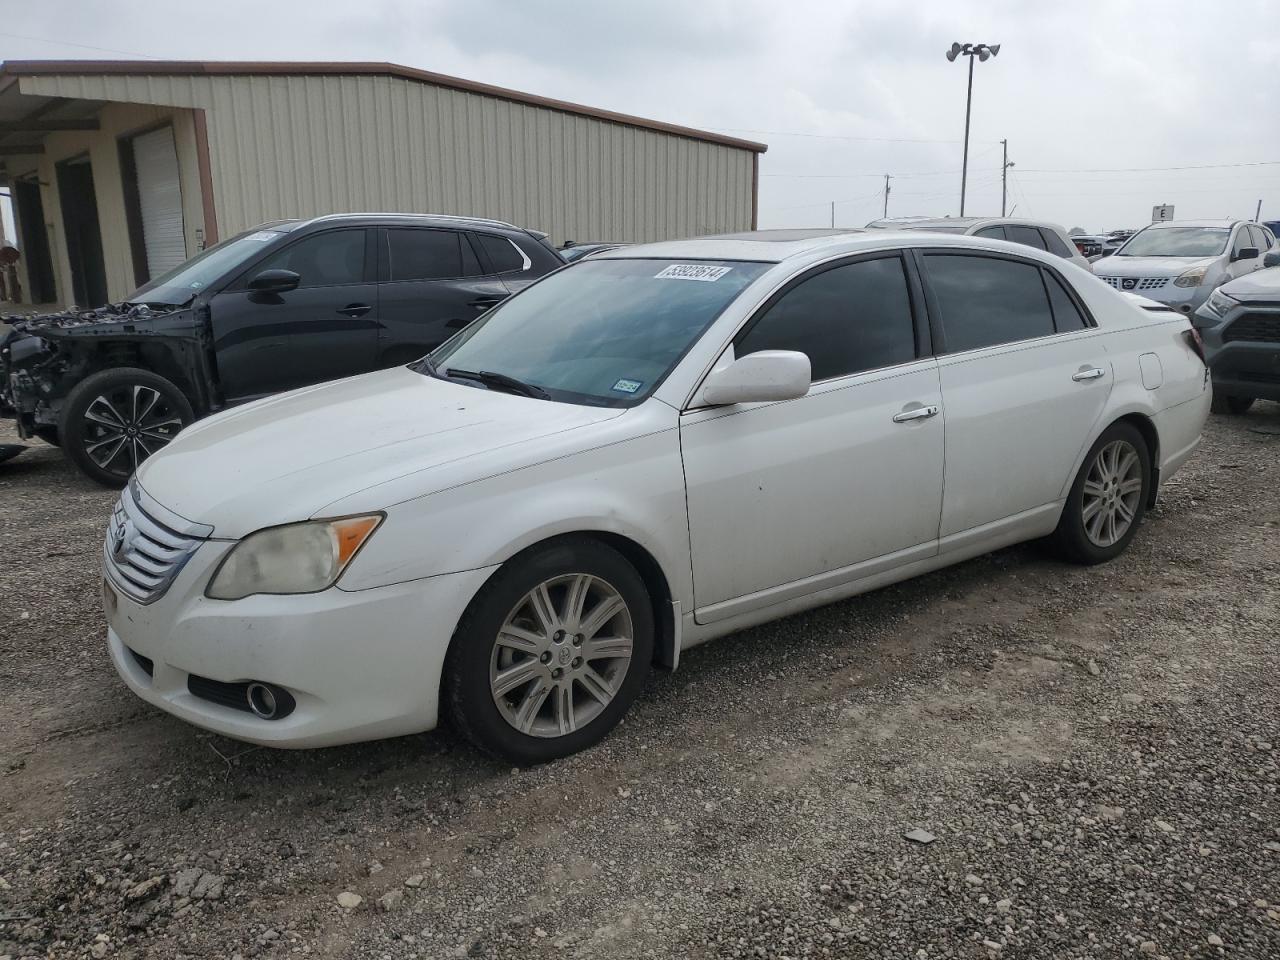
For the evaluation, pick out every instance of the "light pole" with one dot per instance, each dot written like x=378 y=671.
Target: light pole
x=984 y=52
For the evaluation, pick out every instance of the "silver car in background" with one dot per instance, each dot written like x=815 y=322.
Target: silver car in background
x=1181 y=262
x=1029 y=233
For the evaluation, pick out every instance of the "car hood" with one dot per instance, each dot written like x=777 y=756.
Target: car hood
x=285 y=458
x=1259 y=285
x=1118 y=266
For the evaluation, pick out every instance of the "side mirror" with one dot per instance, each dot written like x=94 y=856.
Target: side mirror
x=275 y=281
x=1246 y=253
x=767 y=375
x=1272 y=259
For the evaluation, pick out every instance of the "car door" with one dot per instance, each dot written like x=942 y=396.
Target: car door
x=324 y=329
x=786 y=499
x=432 y=286
x=1025 y=379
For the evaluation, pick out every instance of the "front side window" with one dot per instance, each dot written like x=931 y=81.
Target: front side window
x=850 y=318
x=605 y=333
x=1027 y=236
x=986 y=301
x=327 y=259
x=1177 y=242
x=414 y=254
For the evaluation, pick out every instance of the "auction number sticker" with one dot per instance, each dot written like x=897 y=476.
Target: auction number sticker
x=692 y=271
x=628 y=386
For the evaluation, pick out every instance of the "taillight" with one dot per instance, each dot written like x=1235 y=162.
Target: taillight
x=1196 y=343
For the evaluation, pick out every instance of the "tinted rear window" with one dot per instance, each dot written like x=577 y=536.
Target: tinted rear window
x=429 y=255
x=503 y=255
x=985 y=301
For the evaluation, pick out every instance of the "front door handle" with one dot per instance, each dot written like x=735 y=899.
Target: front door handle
x=355 y=309
x=915 y=413
x=1091 y=373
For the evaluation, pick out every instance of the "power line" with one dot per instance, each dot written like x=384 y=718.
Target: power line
x=1200 y=166
x=83 y=46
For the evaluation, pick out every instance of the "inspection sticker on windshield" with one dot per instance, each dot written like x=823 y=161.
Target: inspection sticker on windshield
x=691 y=271
x=628 y=386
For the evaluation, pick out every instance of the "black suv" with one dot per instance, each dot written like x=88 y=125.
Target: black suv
x=284 y=305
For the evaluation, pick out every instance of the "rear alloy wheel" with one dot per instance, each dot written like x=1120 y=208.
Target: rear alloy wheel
x=551 y=653
x=1235 y=406
x=1108 y=499
x=113 y=420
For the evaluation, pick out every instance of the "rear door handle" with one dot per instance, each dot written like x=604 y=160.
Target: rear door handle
x=916 y=413
x=1092 y=373
x=484 y=303
x=355 y=309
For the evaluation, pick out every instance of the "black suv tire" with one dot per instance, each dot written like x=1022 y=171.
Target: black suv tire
x=150 y=411
x=1232 y=406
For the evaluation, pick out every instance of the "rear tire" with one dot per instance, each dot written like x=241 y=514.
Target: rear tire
x=551 y=652
x=1232 y=406
x=114 y=419
x=1108 y=498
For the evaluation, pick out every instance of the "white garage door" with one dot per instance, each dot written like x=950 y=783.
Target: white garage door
x=160 y=196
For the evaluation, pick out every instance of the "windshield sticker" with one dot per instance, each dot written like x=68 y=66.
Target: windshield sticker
x=628 y=386
x=692 y=271
x=262 y=236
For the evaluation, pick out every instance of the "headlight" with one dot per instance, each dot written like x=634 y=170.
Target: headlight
x=298 y=558
x=1192 y=278
x=1220 y=304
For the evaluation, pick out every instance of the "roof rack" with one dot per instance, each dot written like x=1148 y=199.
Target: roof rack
x=437 y=216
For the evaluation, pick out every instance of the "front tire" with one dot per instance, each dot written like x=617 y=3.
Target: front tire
x=114 y=419
x=551 y=653
x=1108 y=499
x=1230 y=405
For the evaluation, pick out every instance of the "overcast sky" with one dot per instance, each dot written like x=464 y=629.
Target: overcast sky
x=843 y=92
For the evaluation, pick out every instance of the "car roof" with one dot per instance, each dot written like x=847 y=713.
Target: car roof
x=775 y=246
x=1164 y=224
x=418 y=219
x=953 y=224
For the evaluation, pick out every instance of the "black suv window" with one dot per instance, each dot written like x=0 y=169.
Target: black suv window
x=1027 y=236
x=416 y=254
x=1066 y=315
x=502 y=253
x=991 y=233
x=847 y=319
x=985 y=301
x=1056 y=244
x=323 y=259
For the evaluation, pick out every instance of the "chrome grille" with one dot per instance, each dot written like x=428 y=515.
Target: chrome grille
x=143 y=555
x=1140 y=283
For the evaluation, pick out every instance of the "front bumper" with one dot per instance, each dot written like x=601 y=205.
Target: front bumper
x=361 y=665
x=1241 y=368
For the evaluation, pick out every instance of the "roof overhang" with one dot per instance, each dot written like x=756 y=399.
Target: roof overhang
x=13 y=69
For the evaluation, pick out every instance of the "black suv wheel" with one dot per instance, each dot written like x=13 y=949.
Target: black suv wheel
x=115 y=419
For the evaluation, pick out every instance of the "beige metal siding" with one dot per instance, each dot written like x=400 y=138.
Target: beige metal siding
x=298 y=146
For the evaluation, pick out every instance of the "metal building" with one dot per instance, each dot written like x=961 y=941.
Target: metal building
x=121 y=169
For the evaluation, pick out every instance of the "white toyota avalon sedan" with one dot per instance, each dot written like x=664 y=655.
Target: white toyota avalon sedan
x=640 y=452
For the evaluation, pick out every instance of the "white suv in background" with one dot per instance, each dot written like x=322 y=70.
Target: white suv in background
x=1029 y=233
x=1181 y=262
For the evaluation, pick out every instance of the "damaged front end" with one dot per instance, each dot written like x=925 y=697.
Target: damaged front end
x=42 y=358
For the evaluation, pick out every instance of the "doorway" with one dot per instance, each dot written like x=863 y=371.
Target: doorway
x=33 y=236
x=82 y=231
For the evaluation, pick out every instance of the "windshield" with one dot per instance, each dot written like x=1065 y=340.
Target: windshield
x=1177 y=242
x=603 y=332
x=187 y=279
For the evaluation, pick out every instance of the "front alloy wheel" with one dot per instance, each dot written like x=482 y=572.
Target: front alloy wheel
x=551 y=652
x=561 y=655
x=115 y=419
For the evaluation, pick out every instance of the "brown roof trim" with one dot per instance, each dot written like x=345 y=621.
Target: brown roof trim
x=320 y=68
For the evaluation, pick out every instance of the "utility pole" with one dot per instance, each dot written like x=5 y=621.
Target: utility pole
x=1258 y=213
x=833 y=214
x=887 y=178
x=1004 y=176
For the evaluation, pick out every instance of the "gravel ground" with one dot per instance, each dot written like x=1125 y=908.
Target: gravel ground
x=1093 y=750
